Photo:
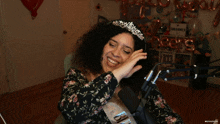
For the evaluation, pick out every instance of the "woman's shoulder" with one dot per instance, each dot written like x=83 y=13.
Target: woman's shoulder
x=75 y=74
x=74 y=71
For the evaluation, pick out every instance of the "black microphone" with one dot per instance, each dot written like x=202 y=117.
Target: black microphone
x=131 y=101
x=147 y=79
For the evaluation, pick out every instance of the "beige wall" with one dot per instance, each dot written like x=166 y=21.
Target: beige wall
x=3 y=75
x=79 y=15
x=4 y=87
x=33 y=48
x=75 y=20
x=109 y=9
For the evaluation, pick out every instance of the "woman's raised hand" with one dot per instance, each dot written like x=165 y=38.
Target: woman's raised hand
x=128 y=67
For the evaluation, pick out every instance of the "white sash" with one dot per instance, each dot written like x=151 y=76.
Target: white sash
x=114 y=107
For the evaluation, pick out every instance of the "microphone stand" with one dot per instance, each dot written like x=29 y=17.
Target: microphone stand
x=142 y=113
x=195 y=69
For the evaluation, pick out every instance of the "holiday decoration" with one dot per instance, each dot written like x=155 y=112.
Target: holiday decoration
x=142 y=10
x=32 y=6
x=151 y=4
x=154 y=27
x=190 y=46
x=164 y=42
x=217 y=18
x=203 y=2
x=155 y=42
x=211 y=5
x=173 y=43
x=134 y=2
x=216 y=35
x=124 y=7
x=187 y=6
x=163 y=5
x=181 y=39
x=193 y=6
x=184 y=10
x=176 y=44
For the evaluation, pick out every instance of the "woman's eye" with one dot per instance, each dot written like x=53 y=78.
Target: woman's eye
x=127 y=52
x=110 y=44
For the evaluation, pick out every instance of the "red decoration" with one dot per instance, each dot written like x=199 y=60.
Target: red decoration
x=154 y=27
x=217 y=19
x=163 y=5
x=173 y=43
x=124 y=7
x=178 y=44
x=151 y=4
x=177 y=4
x=184 y=9
x=164 y=42
x=32 y=6
x=194 y=5
x=205 y=6
x=189 y=44
x=211 y=5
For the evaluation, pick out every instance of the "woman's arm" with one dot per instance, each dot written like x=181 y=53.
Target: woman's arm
x=160 y=110
x=81 y=99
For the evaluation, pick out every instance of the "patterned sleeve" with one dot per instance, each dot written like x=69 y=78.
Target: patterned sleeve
x=160 y=110
x=81 y=99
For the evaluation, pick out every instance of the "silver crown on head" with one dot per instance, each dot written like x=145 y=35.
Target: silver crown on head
x=130 y=27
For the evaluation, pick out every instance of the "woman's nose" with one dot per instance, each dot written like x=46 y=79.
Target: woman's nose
x=116 y=52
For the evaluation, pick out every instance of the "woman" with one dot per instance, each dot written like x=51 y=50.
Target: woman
x=108 y=54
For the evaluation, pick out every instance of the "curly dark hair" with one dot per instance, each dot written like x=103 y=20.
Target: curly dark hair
x=88 y=54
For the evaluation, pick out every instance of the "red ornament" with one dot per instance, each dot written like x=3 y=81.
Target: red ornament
x=124 y=7
x=193 y=6
x=205 y=6
x=151 y=4
x=217 y=19
x=32 y=6
x=163 y=5
x=185 y=8
x=189 y=44
x=164 y=42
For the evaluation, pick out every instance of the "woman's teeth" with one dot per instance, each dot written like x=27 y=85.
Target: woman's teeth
x=112 y=61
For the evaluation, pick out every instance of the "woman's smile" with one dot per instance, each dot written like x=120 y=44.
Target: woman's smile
x=114 y=62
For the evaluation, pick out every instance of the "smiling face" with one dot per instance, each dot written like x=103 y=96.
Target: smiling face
x=117 y=51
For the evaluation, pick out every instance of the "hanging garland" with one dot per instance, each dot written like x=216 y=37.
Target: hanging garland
x=186 y=6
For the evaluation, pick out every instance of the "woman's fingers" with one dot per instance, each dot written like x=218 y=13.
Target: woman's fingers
x=138 y=57
x=128 y=68
x=132 y=61
x=137 y=52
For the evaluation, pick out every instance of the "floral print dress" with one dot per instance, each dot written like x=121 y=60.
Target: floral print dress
x=82 y=101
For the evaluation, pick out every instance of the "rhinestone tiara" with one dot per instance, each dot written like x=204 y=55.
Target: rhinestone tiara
x=130 y=27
